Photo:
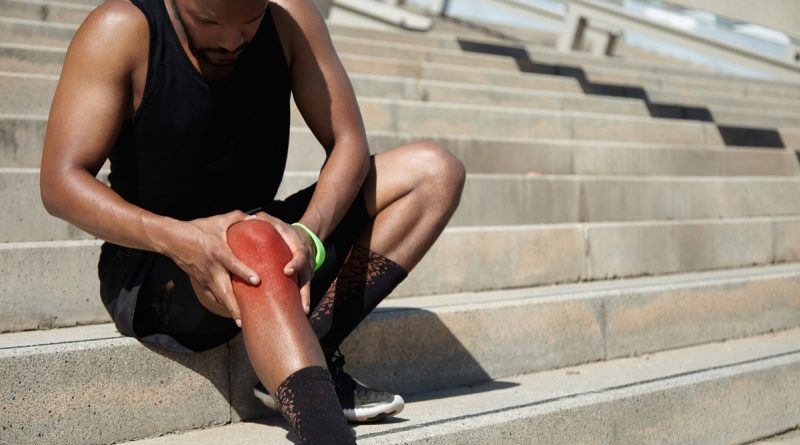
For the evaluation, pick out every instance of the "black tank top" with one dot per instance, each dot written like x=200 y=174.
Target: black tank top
x=197 y=148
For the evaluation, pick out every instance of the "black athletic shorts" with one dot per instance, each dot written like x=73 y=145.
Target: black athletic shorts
x=150 y=298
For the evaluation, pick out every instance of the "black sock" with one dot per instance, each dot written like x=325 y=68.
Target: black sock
x=365 y=279
x=308 y=402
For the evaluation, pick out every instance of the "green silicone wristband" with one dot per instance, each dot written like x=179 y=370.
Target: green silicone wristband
x=319 y=247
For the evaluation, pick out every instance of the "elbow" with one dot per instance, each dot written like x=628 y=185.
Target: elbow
x=366 y=165
x=51 y=194
x=48 y=198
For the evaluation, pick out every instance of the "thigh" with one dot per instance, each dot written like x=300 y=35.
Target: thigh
x=168 y=304
x=149 y=297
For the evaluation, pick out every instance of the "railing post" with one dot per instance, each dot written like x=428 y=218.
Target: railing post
x=793 y=53
x=445 y=5
x=574 y=30
x=605 y=43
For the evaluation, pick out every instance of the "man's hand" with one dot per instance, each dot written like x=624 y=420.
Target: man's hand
x=303 y=252
x=202 y=251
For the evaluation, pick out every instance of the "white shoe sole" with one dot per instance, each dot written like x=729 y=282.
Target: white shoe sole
x=376 y=412
x=373 y=413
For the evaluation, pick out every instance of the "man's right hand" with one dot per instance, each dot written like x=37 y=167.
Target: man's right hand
x=201 y=250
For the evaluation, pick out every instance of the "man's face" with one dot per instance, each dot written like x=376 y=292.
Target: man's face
x=219 y=30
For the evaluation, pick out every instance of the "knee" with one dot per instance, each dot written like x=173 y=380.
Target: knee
x=443 y=171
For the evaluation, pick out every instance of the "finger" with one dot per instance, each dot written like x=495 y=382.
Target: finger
x=262 y=216
x=298 y=262
x=224 y=292
x=298 y=246
x=305 y=296
x=235 y=216
x=208 y=299
x=241 y=270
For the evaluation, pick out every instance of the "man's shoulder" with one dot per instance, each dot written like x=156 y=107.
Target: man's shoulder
x=119 y=23
x=299 y=24
x=114 y=36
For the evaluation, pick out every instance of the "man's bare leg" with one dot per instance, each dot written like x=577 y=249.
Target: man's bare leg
x=411 y=193
x=287 y=341
x=280 y=344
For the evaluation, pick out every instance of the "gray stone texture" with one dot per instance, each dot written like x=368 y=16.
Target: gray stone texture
x=22 y=138
x=463 y=259
x=45 y=11
x=472 y=259
x=733 y=408
x=108 y=390
x=679 y=315
x=661 y=248
x=47 y=285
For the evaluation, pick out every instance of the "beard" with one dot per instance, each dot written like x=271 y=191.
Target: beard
x=211 y=56
x=206 y=54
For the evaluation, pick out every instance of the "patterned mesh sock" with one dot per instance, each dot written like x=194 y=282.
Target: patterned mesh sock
x=365 y=279
x=308 y=402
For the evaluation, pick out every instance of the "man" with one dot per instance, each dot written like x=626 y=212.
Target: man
x=189 y=99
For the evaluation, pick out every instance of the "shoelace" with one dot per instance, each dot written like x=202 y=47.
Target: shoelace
x=336 y=368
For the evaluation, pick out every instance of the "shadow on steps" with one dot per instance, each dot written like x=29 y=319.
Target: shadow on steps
x=731 y=135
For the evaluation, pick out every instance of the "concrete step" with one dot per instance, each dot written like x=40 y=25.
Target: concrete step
x=92 y=370
x=711 y=100
x=594 y=73
x=70 y=13
x=391 y=87
x=477 y=85
x=680 y=73
x=67 y=13
x=88 y=375
x=23 y=137
x=791 y=437
x=649 y=81
x=496 y=199
x=456 y=57
x=48 y=11
x=33 y=93
x=656 y=81
x=417 y=118
x=703 y=394
x=38 y=59
x=347 y=38
x=464 y=259
x=791 y=137
x=49 y=34
x=36 y=32
x=621 y=64
x=551 y=56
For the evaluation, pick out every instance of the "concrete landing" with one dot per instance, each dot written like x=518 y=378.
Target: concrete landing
x=719 y=393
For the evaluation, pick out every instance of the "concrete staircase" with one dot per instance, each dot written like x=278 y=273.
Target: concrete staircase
x=609 y=277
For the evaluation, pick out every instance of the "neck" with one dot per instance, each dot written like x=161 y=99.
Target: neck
x=207 y=70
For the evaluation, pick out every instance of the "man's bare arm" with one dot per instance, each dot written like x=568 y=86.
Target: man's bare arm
x=325 y=98
x=93 y=97
x=92 y=100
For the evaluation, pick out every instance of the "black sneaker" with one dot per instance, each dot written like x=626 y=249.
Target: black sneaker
x=360 y=403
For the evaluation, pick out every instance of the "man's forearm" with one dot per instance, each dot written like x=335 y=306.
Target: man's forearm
x=339 y=182
x=79 y=198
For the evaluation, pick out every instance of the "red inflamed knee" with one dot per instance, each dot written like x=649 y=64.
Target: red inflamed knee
x=257 y=244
